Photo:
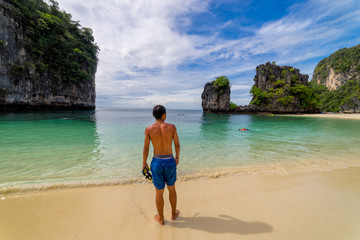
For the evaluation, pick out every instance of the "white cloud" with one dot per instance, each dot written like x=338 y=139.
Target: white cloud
x=142 y=46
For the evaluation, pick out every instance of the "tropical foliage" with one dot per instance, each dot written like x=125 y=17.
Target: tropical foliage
x=232 y=106
x=54 y=43
x=341 y=61
x=311 y=96
x=221 y=83
x=284 y=88
x=346 y=97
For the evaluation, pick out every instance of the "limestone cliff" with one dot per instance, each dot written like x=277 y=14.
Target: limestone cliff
x=340 y=73
x=279 y=89
x=334 y=80
x=28 y=79
x=215 y=99
x=341 y=66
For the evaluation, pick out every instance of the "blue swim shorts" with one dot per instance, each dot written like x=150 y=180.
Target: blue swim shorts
x=163 y=169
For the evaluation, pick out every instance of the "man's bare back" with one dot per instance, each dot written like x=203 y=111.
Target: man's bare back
x=161 y=135
x=163 y=164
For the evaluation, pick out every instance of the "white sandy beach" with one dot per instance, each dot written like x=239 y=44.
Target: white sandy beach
x=316 y=205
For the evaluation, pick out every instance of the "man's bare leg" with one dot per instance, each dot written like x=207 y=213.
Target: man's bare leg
x=173 y=201
x=160 y=206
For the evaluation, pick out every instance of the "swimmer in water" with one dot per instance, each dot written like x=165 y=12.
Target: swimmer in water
x=244 y=129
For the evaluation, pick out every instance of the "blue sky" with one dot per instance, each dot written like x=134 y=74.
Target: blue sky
x=163 y=52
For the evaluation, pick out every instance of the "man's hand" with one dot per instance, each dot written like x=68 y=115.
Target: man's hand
x=177 y=160
x=145 y=165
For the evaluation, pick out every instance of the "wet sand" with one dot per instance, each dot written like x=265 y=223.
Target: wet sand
x=315 y=205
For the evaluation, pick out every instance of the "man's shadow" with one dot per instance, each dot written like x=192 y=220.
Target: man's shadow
x=221 y=224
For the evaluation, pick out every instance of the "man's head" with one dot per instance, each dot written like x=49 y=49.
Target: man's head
x=158 y=111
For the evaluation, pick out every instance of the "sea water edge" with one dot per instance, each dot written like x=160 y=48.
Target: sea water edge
x=104 y=147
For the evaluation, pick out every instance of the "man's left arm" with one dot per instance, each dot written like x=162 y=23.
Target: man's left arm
x=146 y=149
x=177 y=146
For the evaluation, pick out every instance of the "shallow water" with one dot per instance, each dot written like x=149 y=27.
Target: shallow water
x=57 y=147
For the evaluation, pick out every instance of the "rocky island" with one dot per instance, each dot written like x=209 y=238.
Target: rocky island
x=335 y=87
x=281 y=89
x=276 y=89
x=47 y=60
x=216 y=96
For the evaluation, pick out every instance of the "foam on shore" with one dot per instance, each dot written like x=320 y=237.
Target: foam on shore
x=268 y=169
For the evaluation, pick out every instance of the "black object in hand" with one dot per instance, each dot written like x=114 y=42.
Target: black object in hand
x=146 y=172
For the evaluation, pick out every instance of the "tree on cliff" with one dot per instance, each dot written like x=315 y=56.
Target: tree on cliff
x=283 y=89
x=342 y=61
x=221 y=83
x=343 y=68
x=54 y=43
x=347 y=97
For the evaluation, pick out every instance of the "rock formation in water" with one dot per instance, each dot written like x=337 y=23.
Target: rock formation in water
x=278 y=89
x=335 y=87
x=216 y=98
x=46 y=60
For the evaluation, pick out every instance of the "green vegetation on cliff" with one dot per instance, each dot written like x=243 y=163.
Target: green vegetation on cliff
x=341 y=61
x=347 y=97
x=54 y=43
x=344 y=61
x=305 y=96
x=283 y=88
x=222 y=83
x=232 y=106
x=311 y=96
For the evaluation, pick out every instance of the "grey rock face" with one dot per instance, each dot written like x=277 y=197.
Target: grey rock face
x=247 y=109
x=26 y=92
x=215 y=101
x=267 y=74
x=265 y=79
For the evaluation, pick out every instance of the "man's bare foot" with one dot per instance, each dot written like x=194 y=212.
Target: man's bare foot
x=158 y=219
x=174 y=216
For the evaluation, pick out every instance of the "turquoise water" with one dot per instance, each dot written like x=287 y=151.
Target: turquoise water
x=102 y=145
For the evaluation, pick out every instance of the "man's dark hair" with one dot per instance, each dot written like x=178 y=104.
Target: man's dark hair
x=158 y=111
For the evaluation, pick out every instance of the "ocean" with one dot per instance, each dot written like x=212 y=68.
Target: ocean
x=48 y=150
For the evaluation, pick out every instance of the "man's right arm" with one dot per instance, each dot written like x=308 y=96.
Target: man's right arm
x=177 y=146
x=146 y=148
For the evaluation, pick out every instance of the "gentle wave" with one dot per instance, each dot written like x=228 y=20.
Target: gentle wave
x=40 y=187
x=268 y=169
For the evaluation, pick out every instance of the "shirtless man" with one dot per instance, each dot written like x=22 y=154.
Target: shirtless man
x=163 y=165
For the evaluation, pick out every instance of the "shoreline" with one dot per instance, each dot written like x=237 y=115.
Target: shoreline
x=313 y=205
x=275 y=169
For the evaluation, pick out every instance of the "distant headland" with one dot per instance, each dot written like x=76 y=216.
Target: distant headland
x=335 y=87
x=47 y=61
